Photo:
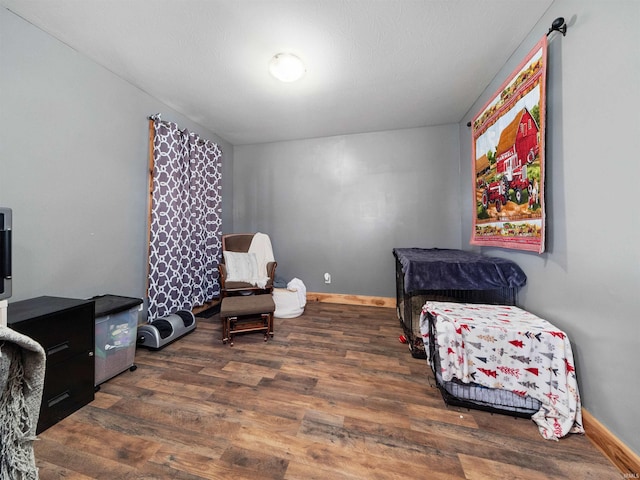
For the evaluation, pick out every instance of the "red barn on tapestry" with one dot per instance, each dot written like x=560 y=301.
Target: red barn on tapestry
x=518 y=143
x=508 y=160
x=517 y=147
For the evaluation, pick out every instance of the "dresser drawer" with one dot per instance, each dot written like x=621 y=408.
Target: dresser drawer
x=62 y=336
x=65 y=329
x=67 y=387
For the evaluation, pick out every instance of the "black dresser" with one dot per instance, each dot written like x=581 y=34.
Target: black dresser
x=65 y=329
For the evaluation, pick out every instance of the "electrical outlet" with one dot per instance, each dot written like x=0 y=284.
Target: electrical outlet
x=327 y=278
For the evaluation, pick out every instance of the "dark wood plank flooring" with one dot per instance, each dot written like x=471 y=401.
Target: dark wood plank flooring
x=334 y=395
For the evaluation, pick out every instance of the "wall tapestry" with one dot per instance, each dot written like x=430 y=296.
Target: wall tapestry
x=185 y=224
x=508 y=160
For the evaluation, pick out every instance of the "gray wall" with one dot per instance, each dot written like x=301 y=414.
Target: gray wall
x=588 y=281
x=73 y=166
x=341 y=204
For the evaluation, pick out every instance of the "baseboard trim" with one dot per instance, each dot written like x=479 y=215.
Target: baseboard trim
x=613 y=448
x=387 y=302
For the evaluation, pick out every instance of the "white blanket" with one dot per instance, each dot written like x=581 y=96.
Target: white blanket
x=22 y=366
x=296 y=285
x=261 y=247
x=505 y=347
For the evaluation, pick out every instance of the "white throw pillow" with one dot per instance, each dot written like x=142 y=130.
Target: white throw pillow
x=241 y=267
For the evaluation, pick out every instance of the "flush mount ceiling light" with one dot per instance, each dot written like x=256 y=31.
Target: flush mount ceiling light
x=286 y=67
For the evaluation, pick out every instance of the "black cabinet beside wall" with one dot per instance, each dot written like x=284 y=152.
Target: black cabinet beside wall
x=65 y=329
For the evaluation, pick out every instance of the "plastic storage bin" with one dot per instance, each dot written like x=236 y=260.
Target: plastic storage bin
x=116 y=332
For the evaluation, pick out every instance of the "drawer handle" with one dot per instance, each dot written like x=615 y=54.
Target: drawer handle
x=58 y=399
x=58 y=348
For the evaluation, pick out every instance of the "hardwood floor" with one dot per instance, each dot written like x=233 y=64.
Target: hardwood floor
x=334 y=395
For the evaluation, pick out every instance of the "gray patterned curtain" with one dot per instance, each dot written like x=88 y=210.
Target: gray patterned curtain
x=184 y=243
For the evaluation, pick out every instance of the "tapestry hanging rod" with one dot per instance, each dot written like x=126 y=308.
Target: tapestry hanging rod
x=558 y=25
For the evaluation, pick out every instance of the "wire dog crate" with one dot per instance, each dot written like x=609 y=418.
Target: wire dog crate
x=449 y=275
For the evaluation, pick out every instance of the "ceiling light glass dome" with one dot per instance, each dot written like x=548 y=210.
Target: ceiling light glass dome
x=286 y=67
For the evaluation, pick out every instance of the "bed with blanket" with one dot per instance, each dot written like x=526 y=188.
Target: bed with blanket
x=503 y=359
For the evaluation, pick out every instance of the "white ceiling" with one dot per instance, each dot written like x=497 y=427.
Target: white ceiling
x=371 y=64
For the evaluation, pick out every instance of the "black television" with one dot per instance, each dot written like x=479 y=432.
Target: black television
x=5 y=252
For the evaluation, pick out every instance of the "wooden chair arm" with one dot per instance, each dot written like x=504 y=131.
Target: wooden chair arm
x=223 y=275
x=271 y=270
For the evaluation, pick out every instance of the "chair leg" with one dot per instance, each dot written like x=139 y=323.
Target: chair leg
x=226 y=329
x=265 y=320
x=271 y=325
